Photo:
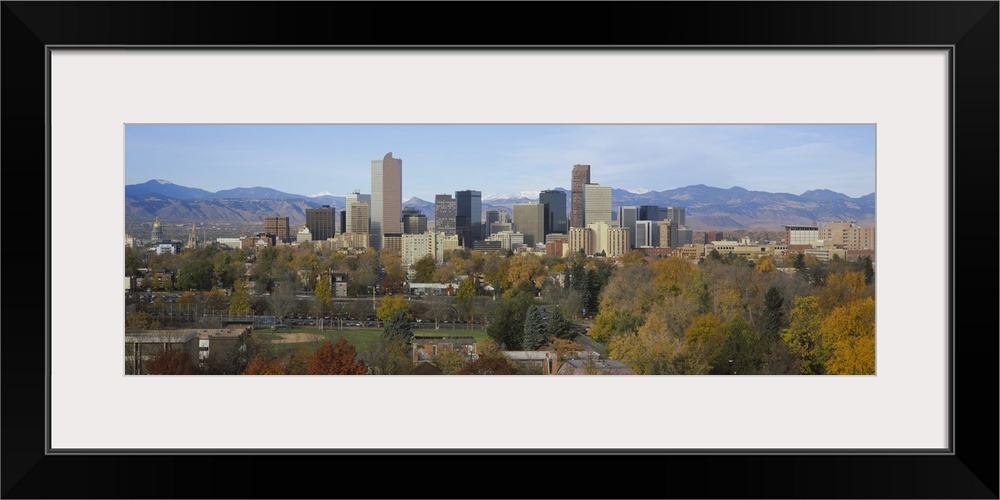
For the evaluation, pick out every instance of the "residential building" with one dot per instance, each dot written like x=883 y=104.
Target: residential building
x=416 y=246
x=339 y=281
x=556 y=248
x=617 y=242
x=445 y=243
x=387 y=199
x=581 y=238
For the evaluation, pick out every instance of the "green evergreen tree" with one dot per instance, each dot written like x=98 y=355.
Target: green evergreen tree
x=869 y=270
x=534 y=329
x=773 y=315
x=559 y=326
x=800 y=262
x=506 y=321
x=398 y=327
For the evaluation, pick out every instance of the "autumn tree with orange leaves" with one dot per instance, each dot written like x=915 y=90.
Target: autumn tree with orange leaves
x=171 y=362
x=336 y=359
x=264 y=365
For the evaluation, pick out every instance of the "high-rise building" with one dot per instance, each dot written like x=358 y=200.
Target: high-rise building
x=356 y=196
x=581 y=177
x=676 y=214
x=668 y=233
x=494 y=216
x=445 y=211
x=627 y=216
x=469 y=217
x=320 y=222
x=529 y=220
x=649 y=212
x=596 y=204
x=387 y=199
x=555 y=210
x=278 y=226
x=357 y=217
x=414 y=221
x=647 y=233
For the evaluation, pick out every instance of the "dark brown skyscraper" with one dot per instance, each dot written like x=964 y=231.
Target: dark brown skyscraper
x=320 y=222
x=581 y=176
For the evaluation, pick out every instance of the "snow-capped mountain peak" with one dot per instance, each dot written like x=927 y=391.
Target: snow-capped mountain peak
x=511 y=196
x=163 y=182
x=321 y=193
x=639 y=190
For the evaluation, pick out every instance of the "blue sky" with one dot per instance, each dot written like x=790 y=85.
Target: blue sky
x=336 y=159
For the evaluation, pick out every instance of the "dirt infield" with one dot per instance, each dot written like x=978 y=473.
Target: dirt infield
x=294 y=338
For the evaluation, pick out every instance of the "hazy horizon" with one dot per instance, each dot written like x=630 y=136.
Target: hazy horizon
x=312 y=160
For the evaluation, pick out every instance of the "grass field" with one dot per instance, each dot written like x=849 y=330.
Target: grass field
x=357 y=337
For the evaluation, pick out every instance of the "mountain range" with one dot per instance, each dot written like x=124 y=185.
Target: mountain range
x=707 y=208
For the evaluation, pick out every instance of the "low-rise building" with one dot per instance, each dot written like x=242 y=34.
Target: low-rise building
x=426 y=348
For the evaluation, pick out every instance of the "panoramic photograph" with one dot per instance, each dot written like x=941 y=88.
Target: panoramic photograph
x=499 y=249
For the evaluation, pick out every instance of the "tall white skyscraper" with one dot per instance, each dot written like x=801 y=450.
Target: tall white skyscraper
x=387 y=199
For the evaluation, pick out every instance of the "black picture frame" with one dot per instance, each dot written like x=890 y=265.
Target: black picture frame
x=970 y=28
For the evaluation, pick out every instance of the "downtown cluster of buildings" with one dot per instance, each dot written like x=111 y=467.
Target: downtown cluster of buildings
x=378 y=220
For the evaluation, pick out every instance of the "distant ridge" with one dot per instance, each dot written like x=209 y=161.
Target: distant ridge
x=708 y=208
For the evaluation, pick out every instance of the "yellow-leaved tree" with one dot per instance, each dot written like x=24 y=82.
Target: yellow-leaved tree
x=389 y=305
x=650 y=351
x=850 y=332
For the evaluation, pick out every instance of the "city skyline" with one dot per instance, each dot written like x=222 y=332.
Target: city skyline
x=315 y=160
